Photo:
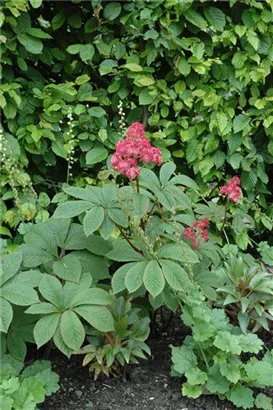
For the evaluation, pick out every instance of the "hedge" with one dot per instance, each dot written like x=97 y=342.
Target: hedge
x=197 y=74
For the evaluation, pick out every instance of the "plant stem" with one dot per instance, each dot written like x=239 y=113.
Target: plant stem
x=204 y=357
x=128 y=240
x=142 y=223
x=225 y=218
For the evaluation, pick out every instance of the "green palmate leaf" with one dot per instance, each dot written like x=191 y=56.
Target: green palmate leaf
x=134 y=277
x=93 y=220
x=58 y=340
x=97 y=316
x=166 y=172
x=30 y=278
x=183 y=359
x=82 y=193
x=97 y=245
x=153 y=278
x=112 y=11
x=72 y=330
x=42 y=308
x=215 y=17
x=176 y=276
x=141 y=203
x=93 y=296
x=118 y=217
x=192 y=391
x=242 y=397
x=10 y=265
x=68 y=268
x=251 y=343
x=185 y=181
x=45 y=328
x=19 y=294
x=202 y=330
x=69 y=209
x=16 y=346
x=179 y=252
x=263 y=402
x=118 y=280
x=216 y=382
x=6 y=315
x=51 y=289
x=123 y=252
x=107 y=227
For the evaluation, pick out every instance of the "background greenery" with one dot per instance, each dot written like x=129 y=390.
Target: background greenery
x=197 y=74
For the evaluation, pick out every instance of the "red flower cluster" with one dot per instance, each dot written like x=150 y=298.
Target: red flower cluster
x=135 y=147
x=198 y=229
x=232 y=189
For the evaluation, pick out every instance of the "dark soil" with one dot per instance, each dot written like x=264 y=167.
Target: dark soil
x=149 y=385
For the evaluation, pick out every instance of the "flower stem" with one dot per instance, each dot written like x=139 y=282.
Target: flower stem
x=128 y=240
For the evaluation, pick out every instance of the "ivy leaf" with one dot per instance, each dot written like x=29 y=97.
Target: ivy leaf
x=153 y=278
x=242 y=397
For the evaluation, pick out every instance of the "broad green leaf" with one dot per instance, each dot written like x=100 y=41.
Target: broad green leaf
x=185 y=181
x=112 y=10
x=141 y=203
x=72 y=330
x=261 y=372
x=6 y=315
x=242 y=397
x=195 y=18
x=118 y=217
x=96 y=112
x=97 y=245
x=216 y=382
x=263 y=402
x=183 y=359
x=16 y=346
x=192 y=391
x=228 y=343
x=36 y=3
x=97 y=316
x=19 y=294
x=179 y=252
x=82 y=79
x=69 y=209
x=93 y=220
x=51 y=289
x=153 y=278
x=42 y=308
x=45 y=328
x=176 y=276
x=196 y=376
x=215 y=17
x=95 y=155
x=133 y=67
x=58 y=341
x=134 y=277
x=68 y=268
x=118 y=279
x=93 y=296
x=231 y=369
x=123 y=252
x=107 y=227
x=74 y=48
x=166 y=172
x=240 y=122
x=87 y=52
x=10 y=265
x=31 y=44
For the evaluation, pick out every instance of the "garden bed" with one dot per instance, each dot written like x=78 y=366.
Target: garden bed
x=147 y=386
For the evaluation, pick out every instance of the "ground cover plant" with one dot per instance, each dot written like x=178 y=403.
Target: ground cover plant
x=136 y=172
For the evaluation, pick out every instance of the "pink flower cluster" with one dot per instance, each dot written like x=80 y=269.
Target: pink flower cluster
x=232 y=189
x=198 y=229
x=135 y=147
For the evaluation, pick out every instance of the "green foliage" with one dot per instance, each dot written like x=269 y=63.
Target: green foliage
x=24 y=389
x=210 y=358
x=122 y=345
x=247 y=291
x=212 y=114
